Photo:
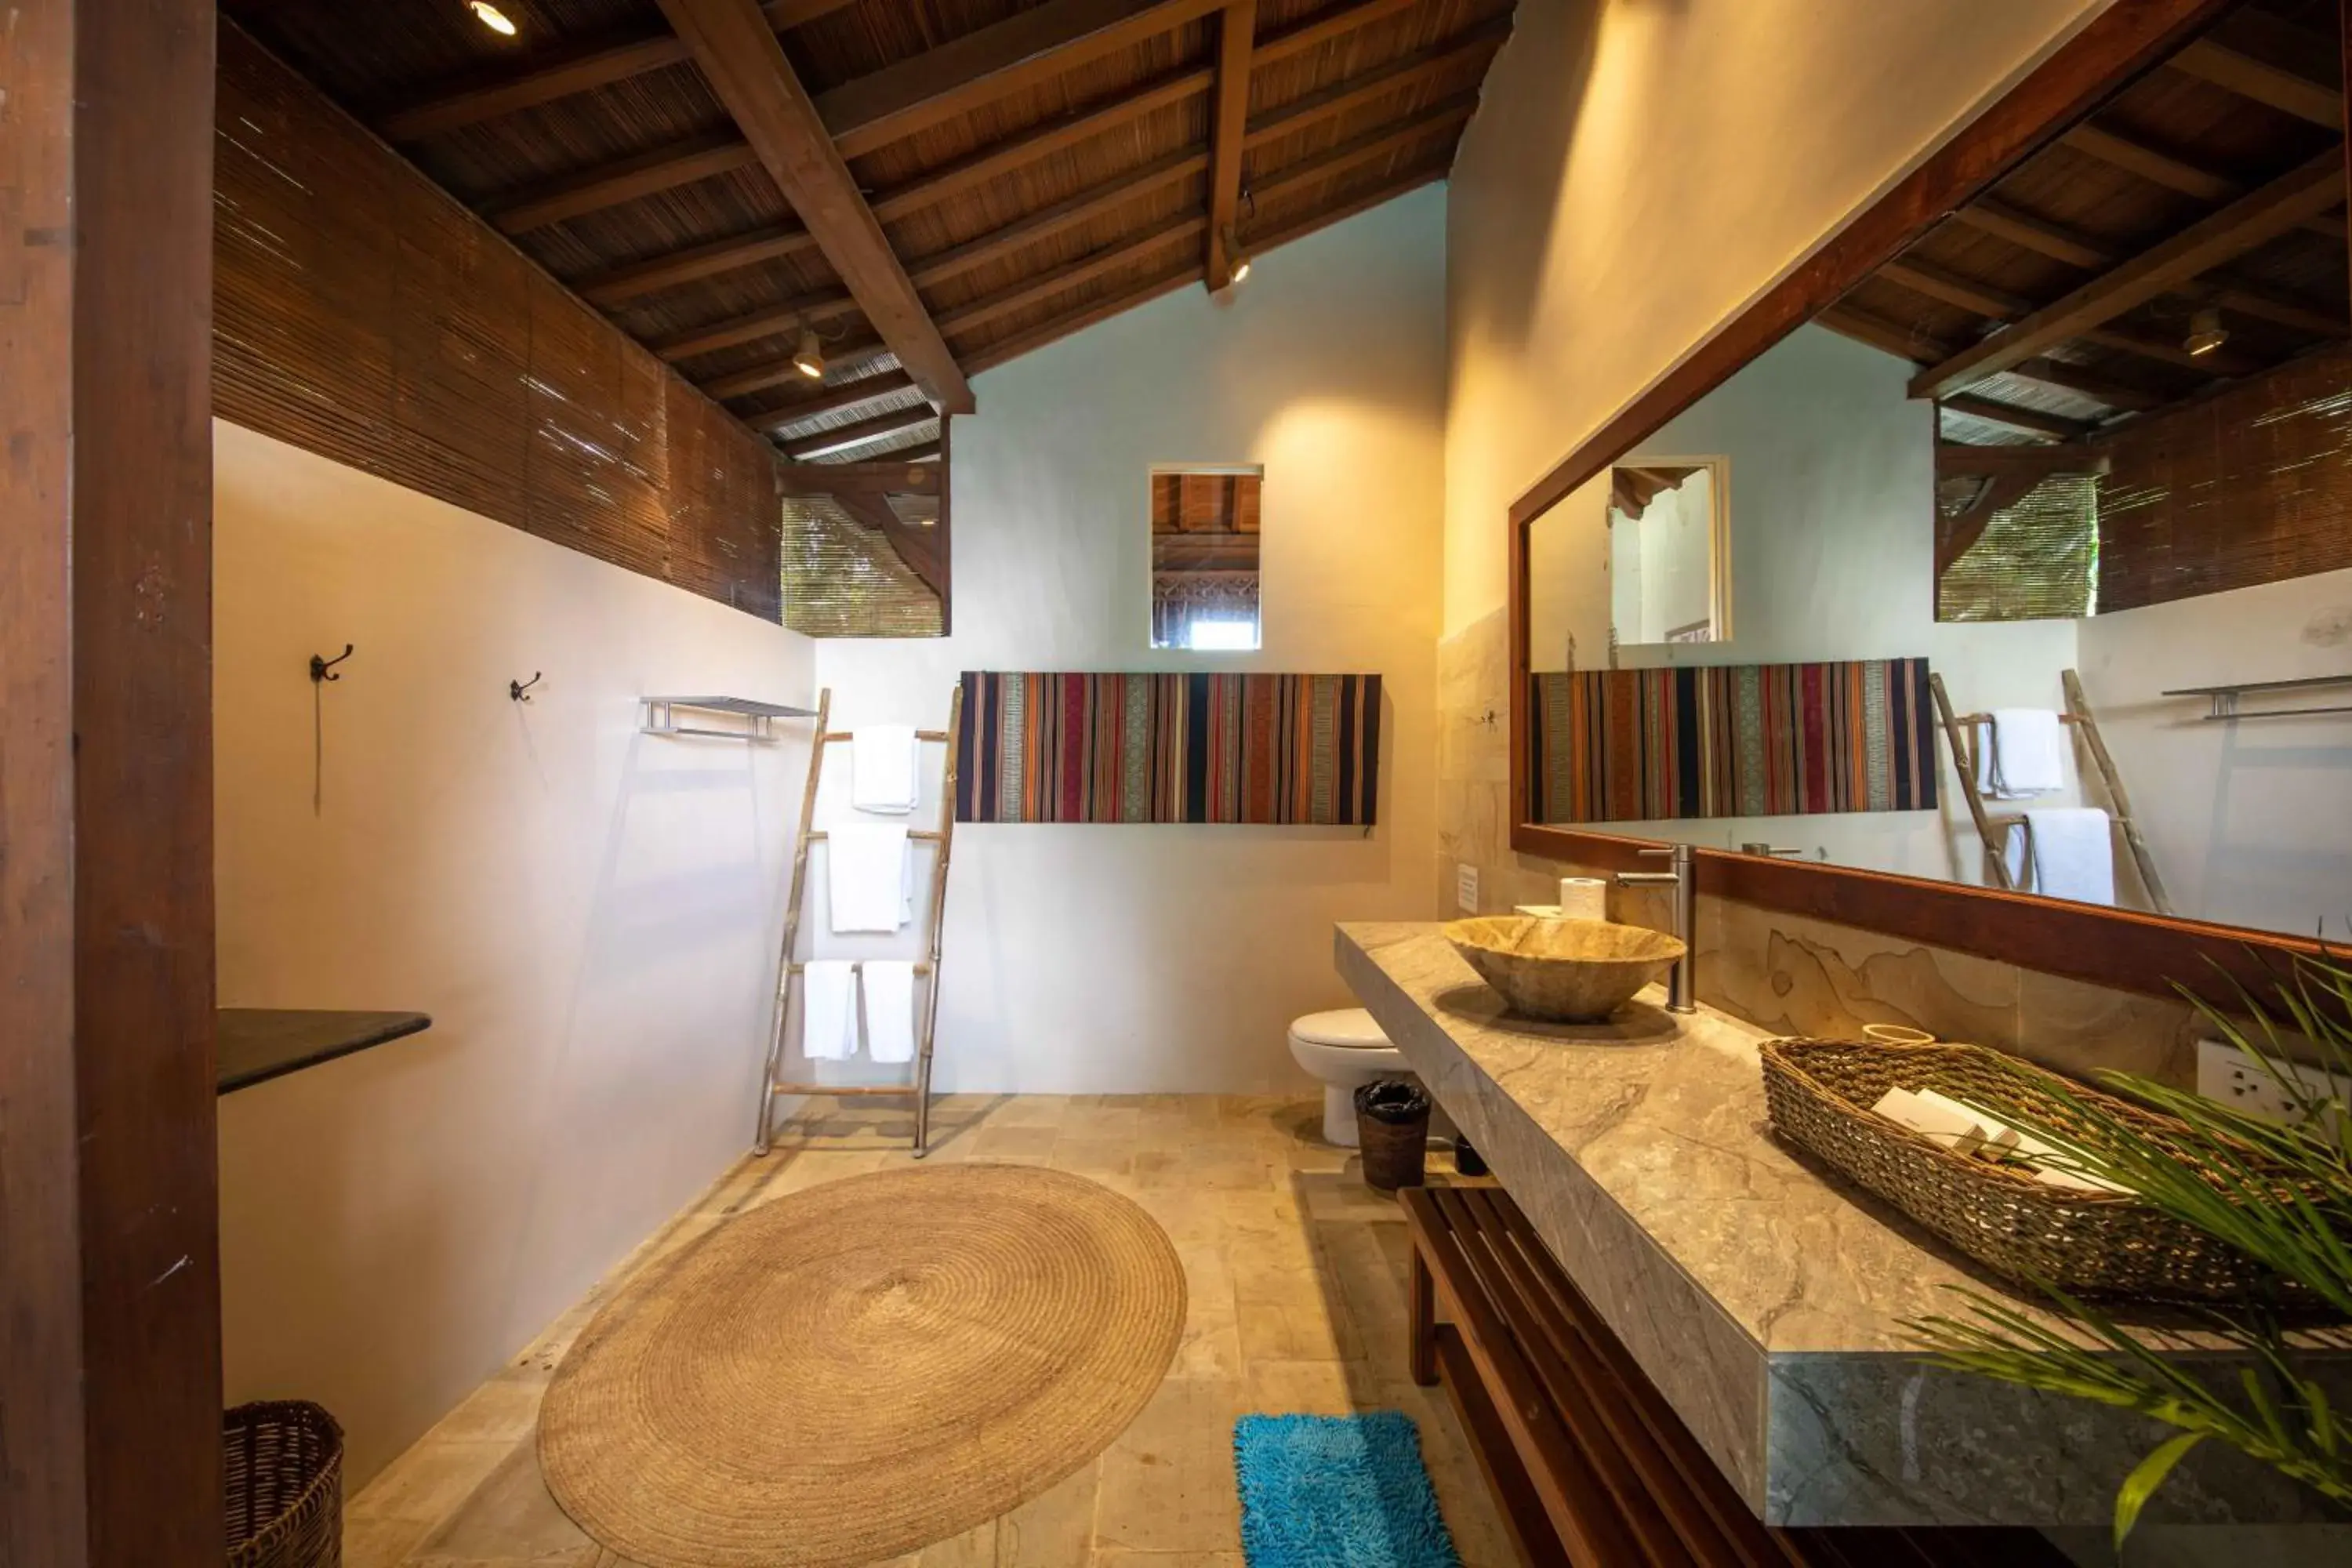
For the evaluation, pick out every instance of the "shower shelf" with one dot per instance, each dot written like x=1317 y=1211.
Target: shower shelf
x=661 y=716
x=2224 y=699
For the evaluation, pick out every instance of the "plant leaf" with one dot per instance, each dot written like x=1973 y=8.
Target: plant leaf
x=2146 y=1476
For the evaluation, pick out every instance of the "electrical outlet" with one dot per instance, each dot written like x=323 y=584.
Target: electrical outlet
x=2237 y=1080
x=1466 y=887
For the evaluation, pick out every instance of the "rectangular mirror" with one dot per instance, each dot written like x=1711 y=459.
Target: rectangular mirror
x=2042 y=530
x=1205 y=558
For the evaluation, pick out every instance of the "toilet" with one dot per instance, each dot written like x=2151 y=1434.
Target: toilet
x=1345 y=1050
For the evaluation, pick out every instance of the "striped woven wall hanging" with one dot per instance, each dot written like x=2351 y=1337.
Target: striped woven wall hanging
x=1277 y=749
x=1753 y=740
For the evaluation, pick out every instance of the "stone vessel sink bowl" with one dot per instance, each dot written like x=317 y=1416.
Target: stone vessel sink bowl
x=1563 y=971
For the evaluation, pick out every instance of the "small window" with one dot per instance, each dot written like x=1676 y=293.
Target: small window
x=2017 y=533
x=1204 y=558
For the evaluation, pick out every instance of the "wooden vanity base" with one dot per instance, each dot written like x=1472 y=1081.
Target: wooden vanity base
x=1588 y=1464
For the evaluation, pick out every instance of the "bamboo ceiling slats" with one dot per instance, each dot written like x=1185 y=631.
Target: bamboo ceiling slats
x=1033 y=165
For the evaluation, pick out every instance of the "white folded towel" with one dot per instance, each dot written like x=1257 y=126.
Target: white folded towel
x=2023 y=753
x=828 y=1009
x=865 y=876
x=890 y=1010
x=882 y=762
x=2070 y=852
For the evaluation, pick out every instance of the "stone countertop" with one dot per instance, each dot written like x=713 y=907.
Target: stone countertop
x=1764 y=1296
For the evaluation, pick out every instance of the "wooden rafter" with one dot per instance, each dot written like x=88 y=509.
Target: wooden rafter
x=2173 y=173
x=2252 y=220
x=609 y=185
x=1085 y=269
x=850 y=355
x=811 y=309
x=863 y=432
x=1025 y=49
x=1228 y=126
x=1921 y=350
x=562 y=73
x=833 y=399
x=900 y=473
x=2215 y=62
x=929 y=189
x=746 y=68
x=2170 y=351
x=2039 y=422
x=2089 y=383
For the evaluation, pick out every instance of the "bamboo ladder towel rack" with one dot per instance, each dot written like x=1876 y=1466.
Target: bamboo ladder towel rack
x=1966 y=734
x=928 y=970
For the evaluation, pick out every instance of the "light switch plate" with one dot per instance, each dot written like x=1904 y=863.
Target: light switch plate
x=1466 y=887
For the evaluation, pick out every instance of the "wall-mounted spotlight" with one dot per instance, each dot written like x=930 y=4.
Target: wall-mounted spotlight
x=490 y=17
x=809 y=357
x=1237 y=261
x=2206 y=331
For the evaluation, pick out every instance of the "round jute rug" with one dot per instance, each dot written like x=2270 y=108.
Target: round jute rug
x=863 y=1368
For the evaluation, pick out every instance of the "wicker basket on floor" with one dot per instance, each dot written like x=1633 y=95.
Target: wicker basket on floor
x=285 y=1463
x=1820 y=1093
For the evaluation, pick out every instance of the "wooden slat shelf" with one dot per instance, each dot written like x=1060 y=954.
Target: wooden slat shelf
x=1587 y=1461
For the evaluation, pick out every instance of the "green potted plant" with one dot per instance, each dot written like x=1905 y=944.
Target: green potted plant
x=2299 y=1230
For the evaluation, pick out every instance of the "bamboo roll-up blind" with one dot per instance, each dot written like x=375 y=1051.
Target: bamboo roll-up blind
x=361 y=313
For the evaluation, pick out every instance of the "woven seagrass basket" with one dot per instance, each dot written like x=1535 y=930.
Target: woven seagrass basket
x=285 y=1462
x=1820 y=1093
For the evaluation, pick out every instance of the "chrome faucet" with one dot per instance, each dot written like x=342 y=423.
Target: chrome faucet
x=1681 y=995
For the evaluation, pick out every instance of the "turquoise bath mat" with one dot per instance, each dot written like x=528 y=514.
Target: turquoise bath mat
x=1338 y=1491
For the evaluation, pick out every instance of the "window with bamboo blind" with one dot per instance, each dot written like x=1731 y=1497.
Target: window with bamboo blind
x=865 y=549
x=2031 y=558
x=1205 y=558
x=361 y=313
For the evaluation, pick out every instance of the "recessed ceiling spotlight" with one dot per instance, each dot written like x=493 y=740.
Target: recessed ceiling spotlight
x=809 y=357
x=490 y=17
x=2206 y=332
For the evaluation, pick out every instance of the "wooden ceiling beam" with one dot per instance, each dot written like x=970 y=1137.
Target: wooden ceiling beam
x=897 y=474
x=1966 y=458
x=619 y=285
x=1085 y=269
x=2225 y=68
x=1020 y=52
x=1187 y=270
x=1372 y=145
x=832 y=400
x=2035 y=421
x=1952 y=288
x=610 y=185
x=842 y=438
x=811 y=309
x=852 y=356
x=1865 y=327
x=928 y=190
x=2170 y=351
x=2252 y=220
x=747 y=69
x=2149 y=164
x=1405 y=70
x=562 y=73
x=1228 y=128
x=2090 y=384
x=1044 y=224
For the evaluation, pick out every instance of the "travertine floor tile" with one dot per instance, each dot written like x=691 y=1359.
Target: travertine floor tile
x=1294 y=1283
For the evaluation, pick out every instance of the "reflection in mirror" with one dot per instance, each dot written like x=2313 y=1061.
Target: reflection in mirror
x=2085 y=450
x=1205 y=558
x=1666 y=561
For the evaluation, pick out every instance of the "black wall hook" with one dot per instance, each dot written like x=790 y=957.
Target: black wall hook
x=521 y=689
x=320 y=665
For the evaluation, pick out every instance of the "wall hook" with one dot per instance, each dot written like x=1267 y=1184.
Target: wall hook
x=320 y=665
x=521 y=689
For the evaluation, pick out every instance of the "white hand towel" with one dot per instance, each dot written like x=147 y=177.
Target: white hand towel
x=2025 y=754
x=882 y=764
x=2070 y=853
x=828 y=1009
x=865 y=877
x=890 y=1010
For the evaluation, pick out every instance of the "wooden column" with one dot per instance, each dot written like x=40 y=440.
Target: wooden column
x=109 y=1314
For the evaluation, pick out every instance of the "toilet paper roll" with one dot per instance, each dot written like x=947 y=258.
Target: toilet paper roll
x=1583 y=898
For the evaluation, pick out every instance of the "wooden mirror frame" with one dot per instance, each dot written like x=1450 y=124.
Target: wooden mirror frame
x=2120 y=948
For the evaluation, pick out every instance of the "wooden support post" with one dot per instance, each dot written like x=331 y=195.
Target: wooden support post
x=109 y=1291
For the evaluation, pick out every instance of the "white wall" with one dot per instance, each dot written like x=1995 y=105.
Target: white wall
x=2250 y=823
x=1145 y=958
x=589 y=913
x=1833 y=545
